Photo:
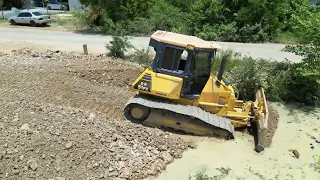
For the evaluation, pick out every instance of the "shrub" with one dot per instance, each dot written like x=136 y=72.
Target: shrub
x=252 y=33
x=249 y=74
x=143 y=57
x=167 y=17
x=234 y=59
x=118 y=46
x=304 y=84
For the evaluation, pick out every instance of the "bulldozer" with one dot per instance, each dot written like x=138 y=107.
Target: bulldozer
x=178 y=90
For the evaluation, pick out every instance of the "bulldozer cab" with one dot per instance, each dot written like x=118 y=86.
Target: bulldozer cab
x=186 y=57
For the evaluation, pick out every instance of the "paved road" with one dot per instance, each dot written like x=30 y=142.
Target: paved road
x=96 y=43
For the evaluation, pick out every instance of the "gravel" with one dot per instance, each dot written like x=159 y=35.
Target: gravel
x=60 y=119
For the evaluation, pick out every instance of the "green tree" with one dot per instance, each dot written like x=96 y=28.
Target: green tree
x=205 y=13
x=268 y=14
x=305 y=76
x=167 y=17
x=1 y=8
x=117 y=10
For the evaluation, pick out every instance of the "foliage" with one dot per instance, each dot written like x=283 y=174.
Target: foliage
x=234 y=60
x=282 y=81
x=8 y=4
x=222 y=20
x=143 y=57
x=317 y=168
x=167 y=17
x=305 y=76
x=118 y=46
x=117 y=10
x=200 y=175
x=1 y=3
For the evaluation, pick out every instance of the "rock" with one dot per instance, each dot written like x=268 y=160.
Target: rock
x=91 y=117
x=317 y=141
x=21 y=157
x=25 y=127
x=106 y=174
x=166 y=156
x=95 y=165
x=311 y=146
x=32 y=164
x=312 y=137
x=125 y=173
x=60 y=178
x=110 y=169
x=296 y=153
x=69 y=145
x=15 y=171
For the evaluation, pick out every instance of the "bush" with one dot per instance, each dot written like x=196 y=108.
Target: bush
x=164 y=16
x=282 y=81
x=249 y=74
x=234 y=59
x=143 y=57
x=304 y=84
x=118 y=46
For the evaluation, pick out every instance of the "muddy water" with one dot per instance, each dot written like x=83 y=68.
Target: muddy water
x=295 y=131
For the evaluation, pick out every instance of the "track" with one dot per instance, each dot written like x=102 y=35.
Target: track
x=181 y=117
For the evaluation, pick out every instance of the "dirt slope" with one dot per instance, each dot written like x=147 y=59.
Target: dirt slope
x=61 y=118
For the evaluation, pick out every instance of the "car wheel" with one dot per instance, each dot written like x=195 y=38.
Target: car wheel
x=49 y=8
x=33 y=24
x=12 y=22
x=44 y=24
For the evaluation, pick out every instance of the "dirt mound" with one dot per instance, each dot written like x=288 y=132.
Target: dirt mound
x=118 y=76
x=47 y=141
x=272 y=126
x=57 y=120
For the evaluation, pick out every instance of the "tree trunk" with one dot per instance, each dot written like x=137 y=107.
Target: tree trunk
x=2 y=16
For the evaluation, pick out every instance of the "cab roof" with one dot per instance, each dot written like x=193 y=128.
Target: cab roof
x=183 y=40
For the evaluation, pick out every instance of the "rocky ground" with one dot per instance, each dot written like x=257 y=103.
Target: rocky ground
x=61 y=118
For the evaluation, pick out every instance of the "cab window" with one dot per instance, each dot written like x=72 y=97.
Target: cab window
x=174 y=59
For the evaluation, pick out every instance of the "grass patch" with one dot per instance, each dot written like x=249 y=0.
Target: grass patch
x=67 y=22
x=287 y=38
x=201 y=175
x=317 y=167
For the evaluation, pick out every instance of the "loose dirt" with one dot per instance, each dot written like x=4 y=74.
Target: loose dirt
x=61 y=117
x=272 y=126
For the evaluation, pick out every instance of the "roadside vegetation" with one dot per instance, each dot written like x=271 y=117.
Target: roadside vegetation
x=219 y=20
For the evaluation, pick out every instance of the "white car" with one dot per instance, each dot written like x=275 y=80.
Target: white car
x=31 y=18
x=54 y=5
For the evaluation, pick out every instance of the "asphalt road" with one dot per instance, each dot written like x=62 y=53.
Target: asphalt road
x=74 y=41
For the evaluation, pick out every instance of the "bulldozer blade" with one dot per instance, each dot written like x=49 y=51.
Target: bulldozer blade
x=262 y=108
x=260 y=123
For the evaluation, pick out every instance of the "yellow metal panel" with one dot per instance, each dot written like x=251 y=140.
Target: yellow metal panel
x=161 y=84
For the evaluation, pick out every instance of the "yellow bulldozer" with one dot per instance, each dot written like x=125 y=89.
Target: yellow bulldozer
x=179 y=91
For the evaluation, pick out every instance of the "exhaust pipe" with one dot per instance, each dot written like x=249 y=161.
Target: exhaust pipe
x=221 y=70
